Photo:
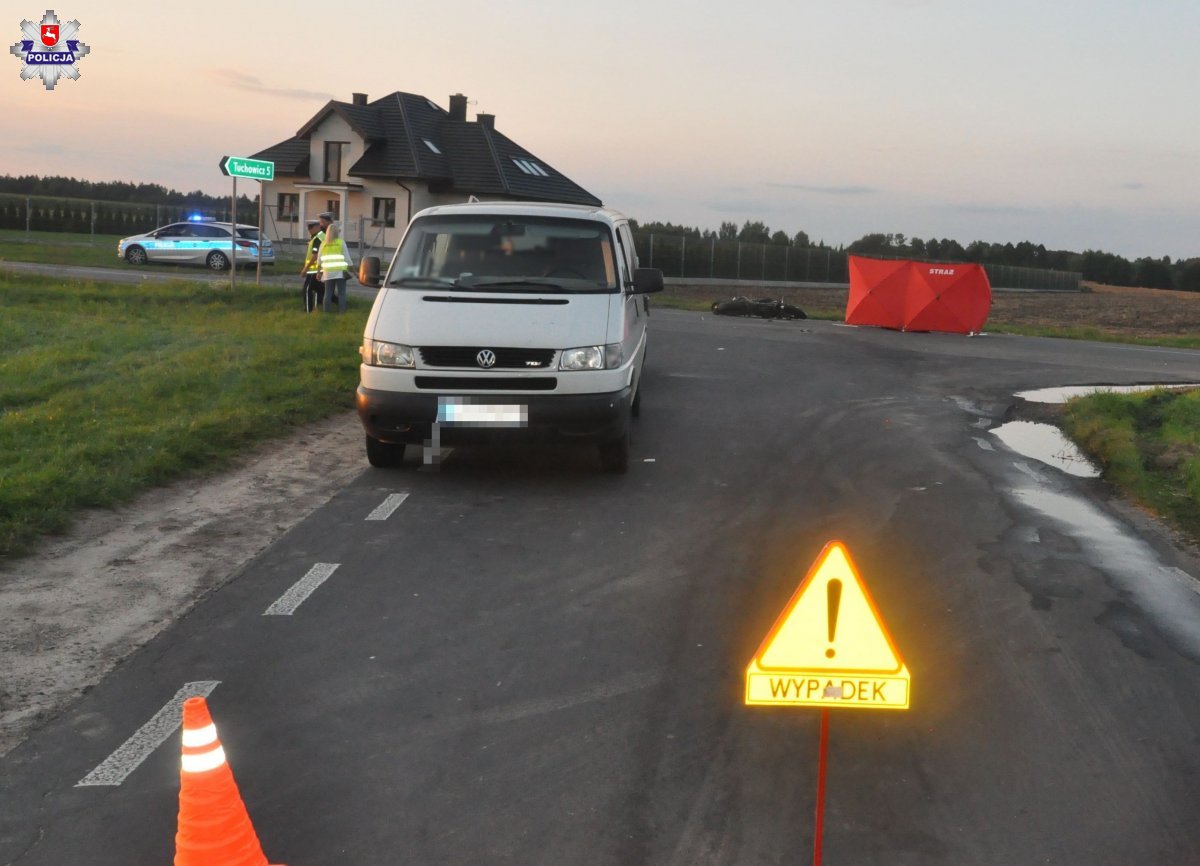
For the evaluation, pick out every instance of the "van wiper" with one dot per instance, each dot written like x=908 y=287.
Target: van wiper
x=425 y=282
x=531 y=282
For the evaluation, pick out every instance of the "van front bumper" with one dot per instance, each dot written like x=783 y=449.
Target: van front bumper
x=400 y=417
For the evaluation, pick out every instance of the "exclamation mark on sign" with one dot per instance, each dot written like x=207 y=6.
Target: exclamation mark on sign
x=833 y=592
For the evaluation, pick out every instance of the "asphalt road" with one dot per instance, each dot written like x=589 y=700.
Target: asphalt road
x=531 y=662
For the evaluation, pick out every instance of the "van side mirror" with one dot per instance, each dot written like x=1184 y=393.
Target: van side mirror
x=368 y=272
x=647 y=280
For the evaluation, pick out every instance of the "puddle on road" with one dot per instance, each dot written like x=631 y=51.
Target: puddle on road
x=1046 y=443
x=1168 y=595
x=1063 y=394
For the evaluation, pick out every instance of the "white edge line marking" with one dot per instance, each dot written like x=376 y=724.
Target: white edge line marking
x=129 y=755
x=287 y=603
x=384 y=511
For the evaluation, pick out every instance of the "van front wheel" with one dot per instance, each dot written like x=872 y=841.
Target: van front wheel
x=384 y=455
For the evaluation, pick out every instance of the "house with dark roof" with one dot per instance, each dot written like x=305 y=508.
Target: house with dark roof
x=375 y=164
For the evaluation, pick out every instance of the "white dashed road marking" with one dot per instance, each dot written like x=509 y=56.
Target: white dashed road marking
x=384 y=511
x=130 y=754
x=287 y=603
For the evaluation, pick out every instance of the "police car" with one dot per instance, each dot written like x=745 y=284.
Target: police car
x=196 y=242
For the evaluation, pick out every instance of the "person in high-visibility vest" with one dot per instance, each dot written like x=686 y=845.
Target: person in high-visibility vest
x=335 y=265
x=314 y=289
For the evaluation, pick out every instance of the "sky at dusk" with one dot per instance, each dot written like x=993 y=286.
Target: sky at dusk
x=1071 y=123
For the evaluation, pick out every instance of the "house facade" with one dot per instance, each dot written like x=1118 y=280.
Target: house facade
x=375 y=164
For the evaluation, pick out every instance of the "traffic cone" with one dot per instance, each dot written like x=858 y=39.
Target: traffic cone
x=214 y=827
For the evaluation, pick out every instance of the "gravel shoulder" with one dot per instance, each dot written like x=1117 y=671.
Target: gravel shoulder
x=72 y=611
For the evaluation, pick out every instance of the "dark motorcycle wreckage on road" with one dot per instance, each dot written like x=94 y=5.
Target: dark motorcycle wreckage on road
x=763 y=308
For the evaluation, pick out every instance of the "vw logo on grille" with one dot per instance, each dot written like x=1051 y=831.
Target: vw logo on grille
x=486 y=358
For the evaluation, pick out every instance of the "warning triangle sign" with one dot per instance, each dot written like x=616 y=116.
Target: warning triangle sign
x=829 y=645
x=830 y=624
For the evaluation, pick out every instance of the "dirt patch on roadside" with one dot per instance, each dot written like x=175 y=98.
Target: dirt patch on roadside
x=72 y=611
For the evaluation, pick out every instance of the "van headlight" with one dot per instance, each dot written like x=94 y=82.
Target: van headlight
x=376 y=353
x=591 y=358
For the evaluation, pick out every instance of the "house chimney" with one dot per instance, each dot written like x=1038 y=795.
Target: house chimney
x=358 y=98
x=488 y=120
x=458 y=107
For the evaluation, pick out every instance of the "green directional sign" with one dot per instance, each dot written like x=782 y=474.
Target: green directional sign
x=254 y=169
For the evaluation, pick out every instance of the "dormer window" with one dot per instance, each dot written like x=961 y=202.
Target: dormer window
x=335 y=158
x=429 y=144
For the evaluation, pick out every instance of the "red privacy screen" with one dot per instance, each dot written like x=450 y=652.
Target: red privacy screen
x=918 y=296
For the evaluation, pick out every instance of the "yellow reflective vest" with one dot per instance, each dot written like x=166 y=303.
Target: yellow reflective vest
x=311 y=261
x=334 y=263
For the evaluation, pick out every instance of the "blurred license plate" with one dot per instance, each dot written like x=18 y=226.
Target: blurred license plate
x=453 y=410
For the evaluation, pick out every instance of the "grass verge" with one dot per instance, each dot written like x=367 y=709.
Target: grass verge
x=56 y=248
x=105 y=393
x=1149 y=446
x=1094 y=334
x=66 y=248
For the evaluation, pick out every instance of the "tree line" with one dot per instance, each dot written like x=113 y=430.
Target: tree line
x=114 y=191
x=1095 y=265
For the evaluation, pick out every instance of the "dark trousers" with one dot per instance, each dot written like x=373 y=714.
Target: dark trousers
x=314 y=292
x=336 y=289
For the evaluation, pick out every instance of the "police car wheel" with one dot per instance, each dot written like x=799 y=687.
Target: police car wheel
x=135 y=256
x=217 y=261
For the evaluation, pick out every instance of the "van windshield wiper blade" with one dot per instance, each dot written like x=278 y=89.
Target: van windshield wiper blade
x=425 y=282
x=529 y=282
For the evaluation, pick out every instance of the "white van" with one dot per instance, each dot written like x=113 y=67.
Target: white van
x=503 y=318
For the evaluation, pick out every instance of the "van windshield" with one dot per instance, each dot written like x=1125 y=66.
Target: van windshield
x=491 y=253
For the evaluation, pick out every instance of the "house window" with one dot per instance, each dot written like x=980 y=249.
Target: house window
x=334 y=206
x=528 y=166
x=384 y=210
x=429 y=144
x=288 y=209
x=335 y=154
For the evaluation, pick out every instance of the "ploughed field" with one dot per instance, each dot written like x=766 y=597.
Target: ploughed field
x=1108 y=309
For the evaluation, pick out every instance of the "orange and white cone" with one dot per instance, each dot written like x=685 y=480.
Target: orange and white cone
x=214 y=827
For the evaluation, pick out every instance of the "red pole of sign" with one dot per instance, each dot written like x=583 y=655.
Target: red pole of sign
x=819 y=828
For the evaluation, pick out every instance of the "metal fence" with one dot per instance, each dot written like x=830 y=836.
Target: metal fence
x=364 y=234
x=46 y=213
x=1033 y=279
x=709 y=258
